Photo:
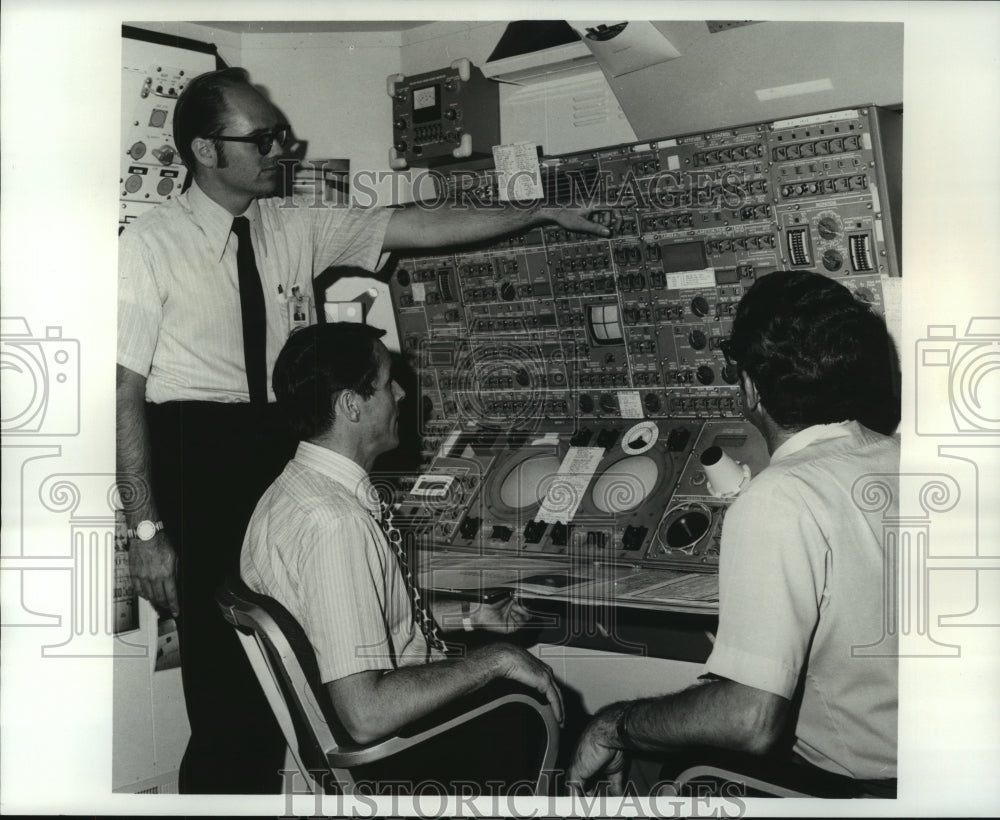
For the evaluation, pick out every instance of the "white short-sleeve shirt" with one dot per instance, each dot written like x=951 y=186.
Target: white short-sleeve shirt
x=801 y=594
x=179 y=318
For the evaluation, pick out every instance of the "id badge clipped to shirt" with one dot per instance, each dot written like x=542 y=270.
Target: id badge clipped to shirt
x=299 y=306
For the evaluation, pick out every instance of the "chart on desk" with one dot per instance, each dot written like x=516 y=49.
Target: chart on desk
x=569 y=385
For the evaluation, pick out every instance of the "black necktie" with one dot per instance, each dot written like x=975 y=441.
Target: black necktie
x=254 y=314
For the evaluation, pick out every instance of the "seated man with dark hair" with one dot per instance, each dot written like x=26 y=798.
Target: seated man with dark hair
x=320 y=542
x=801 y=575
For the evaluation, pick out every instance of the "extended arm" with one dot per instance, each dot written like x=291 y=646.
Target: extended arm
x=424 y=227
x=721 y=713
x=151 y=563
x=374 y=704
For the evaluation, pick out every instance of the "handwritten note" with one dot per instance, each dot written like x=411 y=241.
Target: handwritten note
x=518 y=175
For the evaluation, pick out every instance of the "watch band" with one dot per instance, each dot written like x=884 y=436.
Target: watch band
x=621 y=725
x=152 y=526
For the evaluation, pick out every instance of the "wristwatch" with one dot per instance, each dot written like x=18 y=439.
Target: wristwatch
x=145 y=530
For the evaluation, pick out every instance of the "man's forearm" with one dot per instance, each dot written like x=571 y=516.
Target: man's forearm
x=372 y=705
x=132 y=453
x=721 y=714
x=425 y=227
x=152 y=561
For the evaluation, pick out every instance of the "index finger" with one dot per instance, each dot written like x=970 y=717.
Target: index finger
x=590 y=225
x=170 y=596
x=616 y=782
x=518 y=604
x=584 y=220
x=514 y=608
x=554 y=697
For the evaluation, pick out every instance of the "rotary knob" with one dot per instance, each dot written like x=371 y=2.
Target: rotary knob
x=729 y=374
x=165 y=154
x=699 y=306
x=609 y=402
x=652 y=402
x=586 y=403
x=507 y=292
x=705 y=374
x=697 y=339
x=828 y=227
x=833 y=260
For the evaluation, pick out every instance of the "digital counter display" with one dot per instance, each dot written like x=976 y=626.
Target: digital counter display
x=684 y=256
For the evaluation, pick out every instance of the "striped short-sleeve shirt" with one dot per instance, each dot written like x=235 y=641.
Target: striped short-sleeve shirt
x=314 y=545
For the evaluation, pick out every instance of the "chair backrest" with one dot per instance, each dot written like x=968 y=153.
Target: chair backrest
x=290 y=666
x=285 y=664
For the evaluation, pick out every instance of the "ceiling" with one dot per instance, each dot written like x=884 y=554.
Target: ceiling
x=312 y=26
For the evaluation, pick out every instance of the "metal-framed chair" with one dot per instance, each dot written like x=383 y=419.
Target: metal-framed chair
x=718 y=781
x=748 y=776
x=285 y=665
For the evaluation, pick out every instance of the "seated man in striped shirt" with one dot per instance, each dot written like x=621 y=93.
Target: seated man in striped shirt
x=317 y=543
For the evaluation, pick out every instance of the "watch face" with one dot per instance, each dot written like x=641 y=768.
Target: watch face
x=145 y=530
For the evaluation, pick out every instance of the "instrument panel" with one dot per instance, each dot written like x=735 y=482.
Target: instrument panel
x=151 y=169
x=444 y=115
x=537 y=356
x=621 y=491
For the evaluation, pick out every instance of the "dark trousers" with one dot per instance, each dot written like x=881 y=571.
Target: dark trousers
x=498 y=753
x=211 y=463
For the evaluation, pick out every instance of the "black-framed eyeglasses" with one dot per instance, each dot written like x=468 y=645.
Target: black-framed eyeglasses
x=265 y=141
